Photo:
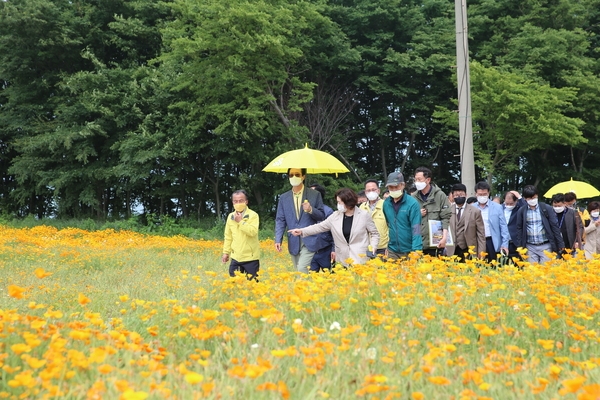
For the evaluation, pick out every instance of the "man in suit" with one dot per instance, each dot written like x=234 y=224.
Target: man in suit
x=567 y=223
x=466 y=225
x=496 y=231
x=298 y=208
x=537 y=228
x=512 y=202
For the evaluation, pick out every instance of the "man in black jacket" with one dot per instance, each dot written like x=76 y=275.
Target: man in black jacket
x=537 y=228
x=567 y=222
x=513 y=201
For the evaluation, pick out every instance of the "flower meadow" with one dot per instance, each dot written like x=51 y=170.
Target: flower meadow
x=120 y=315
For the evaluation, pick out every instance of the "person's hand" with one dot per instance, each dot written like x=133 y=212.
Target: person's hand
x=295 y=232
x=597 y=223
x=237 y=217
x=386 y=253
x=333 y=256
x=306 y=206
x=225 y=258
x=504 y=250
x=576 y=246
x=442 y=243
x=278 y=247
x=423 y=212
x=517 y=194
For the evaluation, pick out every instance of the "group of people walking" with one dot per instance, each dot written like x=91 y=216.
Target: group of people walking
x=426 y=220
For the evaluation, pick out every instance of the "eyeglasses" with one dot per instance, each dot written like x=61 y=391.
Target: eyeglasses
x=296 y=174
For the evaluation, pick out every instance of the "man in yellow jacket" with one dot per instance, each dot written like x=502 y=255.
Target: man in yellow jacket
x=374 y=206
x=241 y=238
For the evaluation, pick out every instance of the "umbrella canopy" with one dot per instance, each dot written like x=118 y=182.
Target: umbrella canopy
x=315 y=162
x=583 y=190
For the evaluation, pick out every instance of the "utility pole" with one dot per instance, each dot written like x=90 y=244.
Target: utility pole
x=465 y=125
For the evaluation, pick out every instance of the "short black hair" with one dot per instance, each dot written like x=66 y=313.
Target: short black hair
x=458 y=187
x=570 y=196
x=348 y=197
x=483 y=185
x=529 y=191
x=375 y=181
x=471 y=200
x=426 y=171
x=319 y=189
x=240 y=191
x=558 y=198
x=302 y=171
x=362 y=193
x=594 y=205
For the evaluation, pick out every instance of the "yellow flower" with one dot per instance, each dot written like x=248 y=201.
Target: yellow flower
x=15 y=291
x=193 y=378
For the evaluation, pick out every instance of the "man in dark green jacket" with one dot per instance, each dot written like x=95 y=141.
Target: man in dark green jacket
x=403 y=217
x=434 y=206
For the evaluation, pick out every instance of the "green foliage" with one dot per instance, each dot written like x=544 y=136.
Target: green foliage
x=108 y=109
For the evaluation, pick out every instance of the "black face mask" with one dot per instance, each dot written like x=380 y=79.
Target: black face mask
x=460 y=200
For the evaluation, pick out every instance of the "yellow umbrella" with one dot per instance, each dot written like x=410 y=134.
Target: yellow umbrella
x=315 y=162
x=583 y=190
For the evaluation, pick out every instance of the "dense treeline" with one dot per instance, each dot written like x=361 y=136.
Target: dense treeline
x=111 y=106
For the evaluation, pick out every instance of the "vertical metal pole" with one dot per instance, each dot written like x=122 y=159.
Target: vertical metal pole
x=467 y=159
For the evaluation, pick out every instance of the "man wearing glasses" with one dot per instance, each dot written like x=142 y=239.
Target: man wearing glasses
x=298 y=208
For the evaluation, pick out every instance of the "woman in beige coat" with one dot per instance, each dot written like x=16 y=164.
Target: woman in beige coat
x=592 y=231
x=353 y=230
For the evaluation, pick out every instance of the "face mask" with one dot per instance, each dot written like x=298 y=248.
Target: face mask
x=460 y=200
x=558 y=210
x=372 y=196
x=341 y=207
x=509 y=207
x=295 y=181
x=532 y=202
x=595 y=214
x=482 y=199
x=239 y=207
x=420 y=185
x=395 y=193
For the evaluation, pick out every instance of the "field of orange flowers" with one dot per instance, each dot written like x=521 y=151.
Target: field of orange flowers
x=109 y=315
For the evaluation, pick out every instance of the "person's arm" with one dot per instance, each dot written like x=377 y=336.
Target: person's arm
x=519 y=240
x=315 y=229
x=480 y=234
x=249 y=225
x=373 y=233
x=504 y=234
x=415 y=226
x=227 y=241
x=280 y=224
x=317 y=213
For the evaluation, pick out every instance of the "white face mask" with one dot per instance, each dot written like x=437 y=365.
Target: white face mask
x=482 y=199
x=341 y=207
x=558 y=210
x=396 y=193
x=372 y=196
x=420 y=185
x=595 y=214
x=295 y=181
x=532 y=202
x=509 y=207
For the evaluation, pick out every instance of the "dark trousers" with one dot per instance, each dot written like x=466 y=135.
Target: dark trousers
x=489 y=249
x=460 y=253
x=512 y=251
x=433 y=251
x=321 y=260
x=250 y=268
